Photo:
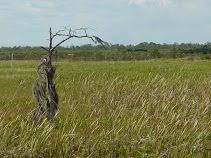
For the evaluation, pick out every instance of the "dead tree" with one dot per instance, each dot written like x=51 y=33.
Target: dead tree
x=43 y=89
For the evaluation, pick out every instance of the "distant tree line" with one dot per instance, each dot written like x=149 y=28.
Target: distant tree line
x=142 y=51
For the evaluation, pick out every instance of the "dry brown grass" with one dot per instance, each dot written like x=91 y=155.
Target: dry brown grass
x=111 y=109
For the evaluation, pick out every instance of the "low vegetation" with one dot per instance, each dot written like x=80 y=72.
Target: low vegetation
x=142 y=51
x=151 y=108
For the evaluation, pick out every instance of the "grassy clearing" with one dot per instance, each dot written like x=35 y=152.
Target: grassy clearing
x=110 y=109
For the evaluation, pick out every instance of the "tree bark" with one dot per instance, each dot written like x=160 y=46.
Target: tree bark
x=46 y=71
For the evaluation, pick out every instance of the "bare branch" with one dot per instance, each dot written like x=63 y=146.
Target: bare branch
x=69 y=33
x=70 y=30
x=64 y=32
x=50 y=38
x=58 y=33
x=52 y=49
x=100 y=41
x=46 y=71
x=45 y=49
x=61 y=35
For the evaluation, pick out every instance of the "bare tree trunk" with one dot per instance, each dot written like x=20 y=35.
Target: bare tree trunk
x=52 y=97
x=44 y=88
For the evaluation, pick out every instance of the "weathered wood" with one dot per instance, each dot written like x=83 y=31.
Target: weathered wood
x=44 y=89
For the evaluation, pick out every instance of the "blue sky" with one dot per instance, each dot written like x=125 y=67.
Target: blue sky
x=26 y=22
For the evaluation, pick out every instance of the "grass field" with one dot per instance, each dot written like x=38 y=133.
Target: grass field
x=153 y=108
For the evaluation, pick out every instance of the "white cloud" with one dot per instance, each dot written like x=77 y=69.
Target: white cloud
x=187 y=4
x=150 y=3
x=158 y=20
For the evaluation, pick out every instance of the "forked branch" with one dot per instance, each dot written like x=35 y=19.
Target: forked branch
x=69 y=33
x=44 y=89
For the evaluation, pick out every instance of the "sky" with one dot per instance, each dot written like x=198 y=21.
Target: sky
x=26 y=22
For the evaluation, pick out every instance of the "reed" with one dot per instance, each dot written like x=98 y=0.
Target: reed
x=152 y=108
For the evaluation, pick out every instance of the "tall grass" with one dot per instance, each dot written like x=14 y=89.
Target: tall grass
x=153 y=108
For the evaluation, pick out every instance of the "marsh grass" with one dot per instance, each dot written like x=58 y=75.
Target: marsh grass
x=153 y=108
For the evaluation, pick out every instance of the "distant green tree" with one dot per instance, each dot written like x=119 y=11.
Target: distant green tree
x=154 y=53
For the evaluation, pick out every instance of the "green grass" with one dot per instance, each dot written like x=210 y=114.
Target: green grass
x=148 y=108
